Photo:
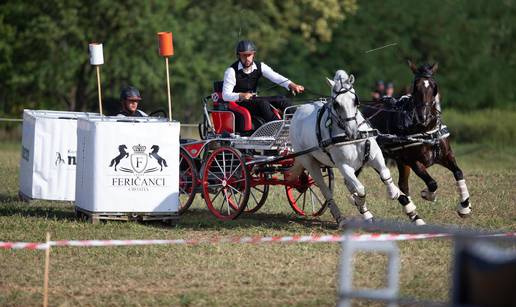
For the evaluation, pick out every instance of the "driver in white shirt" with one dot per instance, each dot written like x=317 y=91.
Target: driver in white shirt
x=241 y=81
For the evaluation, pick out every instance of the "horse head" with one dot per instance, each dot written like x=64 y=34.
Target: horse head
x=122 y=148
x=344 y=102
x=425 y=93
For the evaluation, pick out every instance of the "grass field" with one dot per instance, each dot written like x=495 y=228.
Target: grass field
x=243 y=275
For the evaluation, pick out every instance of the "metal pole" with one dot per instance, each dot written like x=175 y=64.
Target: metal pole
x=168 y=92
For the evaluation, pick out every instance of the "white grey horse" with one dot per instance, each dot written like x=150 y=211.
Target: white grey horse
x=353 y=147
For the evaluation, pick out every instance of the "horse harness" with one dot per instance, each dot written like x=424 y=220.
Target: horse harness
x=431 y=137
x=344 y=138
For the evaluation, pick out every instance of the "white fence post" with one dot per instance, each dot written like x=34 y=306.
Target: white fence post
x=346 y=292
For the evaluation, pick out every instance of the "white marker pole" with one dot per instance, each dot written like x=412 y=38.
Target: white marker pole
x=97 y=59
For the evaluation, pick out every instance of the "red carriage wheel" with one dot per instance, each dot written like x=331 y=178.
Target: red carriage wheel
x=306 y=199
x=187 y=181
x=225 y=183
x=257 y=198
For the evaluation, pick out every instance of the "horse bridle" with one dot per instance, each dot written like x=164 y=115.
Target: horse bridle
x=432 y=104
x=435 y=88
x=341 y=122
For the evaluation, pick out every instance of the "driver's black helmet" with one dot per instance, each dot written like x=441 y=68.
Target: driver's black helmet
x=130 y=93
x=245 y=46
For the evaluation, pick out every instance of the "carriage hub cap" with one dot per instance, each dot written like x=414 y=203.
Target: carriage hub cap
x=224 y=183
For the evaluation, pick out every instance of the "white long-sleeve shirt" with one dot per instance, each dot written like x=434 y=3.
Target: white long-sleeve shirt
x=267 y=72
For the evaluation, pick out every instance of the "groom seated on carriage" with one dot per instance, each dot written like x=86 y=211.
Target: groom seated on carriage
x=241 y=82
x=129 y=100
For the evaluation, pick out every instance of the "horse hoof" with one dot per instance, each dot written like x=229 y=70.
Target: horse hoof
x=427 y=195
x=464 y=212
x=341 y=223
x=368 y=216
x=419 y=222
x=370 y=221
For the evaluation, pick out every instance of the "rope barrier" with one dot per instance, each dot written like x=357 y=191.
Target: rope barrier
x=236 y=240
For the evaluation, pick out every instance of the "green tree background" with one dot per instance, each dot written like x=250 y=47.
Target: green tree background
x=44 y=48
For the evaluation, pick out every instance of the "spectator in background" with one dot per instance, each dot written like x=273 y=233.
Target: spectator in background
x=389 y=90
x=379 y=91
x=388 y=98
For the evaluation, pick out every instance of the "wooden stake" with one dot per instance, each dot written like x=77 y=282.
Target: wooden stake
x=168 y=92
x=47 y=267
x=100 y=92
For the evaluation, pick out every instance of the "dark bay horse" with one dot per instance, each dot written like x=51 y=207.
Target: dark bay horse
x=420 y=140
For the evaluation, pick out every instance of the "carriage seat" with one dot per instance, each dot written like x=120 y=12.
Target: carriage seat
x=228 y=116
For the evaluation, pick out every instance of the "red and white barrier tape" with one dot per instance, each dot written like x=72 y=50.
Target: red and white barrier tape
x=251 y=240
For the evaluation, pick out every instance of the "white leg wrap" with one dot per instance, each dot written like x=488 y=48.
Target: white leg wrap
x=463 y=190
x=463 y=211
x=430 y=196
x=419 y=222
x=409 y=207
x=367 y=215
x=392 y=190
x=360 y=203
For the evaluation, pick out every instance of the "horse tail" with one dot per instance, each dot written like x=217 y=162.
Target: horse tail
x=112 y=162
x=165 y=163
x=295 y=171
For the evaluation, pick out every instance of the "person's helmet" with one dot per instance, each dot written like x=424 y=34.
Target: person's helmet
x=390 y=85
x=130 y=93
x=245 y=46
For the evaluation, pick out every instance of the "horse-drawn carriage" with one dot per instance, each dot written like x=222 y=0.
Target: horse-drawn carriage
x=237 y=160
x=238 y=157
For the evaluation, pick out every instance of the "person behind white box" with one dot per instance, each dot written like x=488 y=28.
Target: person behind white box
x=129 y=100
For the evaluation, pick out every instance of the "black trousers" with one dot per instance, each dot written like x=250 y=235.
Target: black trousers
x=262 y=107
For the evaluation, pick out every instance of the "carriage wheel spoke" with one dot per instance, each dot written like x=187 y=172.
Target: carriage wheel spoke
x=216 y=195
x=231 y=166
x=212 y=173
x=312 y=199
x=232 y=173
x=238 y=180
x=298 y=197
x=223 y=200
x=254 y=197
x=261 y=191
x=316 y=197
x=227 y=200
x=223 y=171
x=239 y=194
x=224 y=163
x=237 y=191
